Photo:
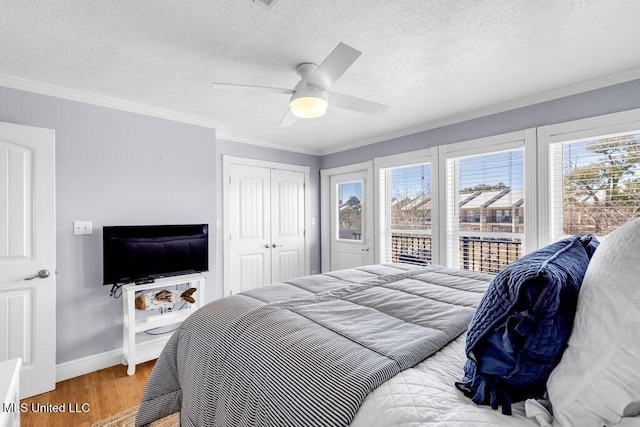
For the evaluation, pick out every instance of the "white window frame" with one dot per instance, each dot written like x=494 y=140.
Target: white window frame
x=536 y=143
x=437 y=156
x=525 y=139
x=590 y=128
x=427 y=155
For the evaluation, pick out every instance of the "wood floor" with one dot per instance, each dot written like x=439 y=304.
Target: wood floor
x=107 y=392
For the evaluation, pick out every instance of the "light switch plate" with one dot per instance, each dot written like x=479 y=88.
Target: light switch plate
x=82 y=227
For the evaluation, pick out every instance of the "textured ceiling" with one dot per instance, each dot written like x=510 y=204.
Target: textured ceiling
x=430 y=61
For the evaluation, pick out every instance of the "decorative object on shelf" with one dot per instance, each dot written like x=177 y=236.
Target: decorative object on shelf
x=163 y=299
x=137 y=322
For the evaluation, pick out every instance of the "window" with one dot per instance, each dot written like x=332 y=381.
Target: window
x=488 y=201
x=595 y=184
x=406 y=224
x=480 y=190
x=349 y=211
x=460 y=205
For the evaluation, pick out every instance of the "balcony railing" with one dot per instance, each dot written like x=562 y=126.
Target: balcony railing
x=411 y=248
x=505 y=219
x=493 y=219
x=488 y=255
x=483 y=254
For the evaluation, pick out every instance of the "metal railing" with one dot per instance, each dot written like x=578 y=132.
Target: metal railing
x=483 y=254
x=488 y=255
x=411 y=248
x=492 y=219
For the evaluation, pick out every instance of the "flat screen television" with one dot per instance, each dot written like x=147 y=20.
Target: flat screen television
x=143 y=253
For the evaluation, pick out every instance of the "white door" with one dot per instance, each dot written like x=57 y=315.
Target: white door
x=265 y=210
x=287 y=225
x=27 y=254
x=351 y=223
x=249 y=254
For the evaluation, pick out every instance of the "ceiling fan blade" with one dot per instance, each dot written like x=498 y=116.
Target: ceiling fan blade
x=288 y=120
x=271 y=88
x=333 y=66
x=356 y=104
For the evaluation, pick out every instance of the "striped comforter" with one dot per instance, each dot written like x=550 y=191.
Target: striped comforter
x=308 y=351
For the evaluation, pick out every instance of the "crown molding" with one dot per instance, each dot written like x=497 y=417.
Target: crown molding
x=538 y=98
x=118 y=104
x=103 y=101
x=267 y=144
x=132 y=107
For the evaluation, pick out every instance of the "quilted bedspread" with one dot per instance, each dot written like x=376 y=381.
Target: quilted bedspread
x=424 y=396
x=308 y=351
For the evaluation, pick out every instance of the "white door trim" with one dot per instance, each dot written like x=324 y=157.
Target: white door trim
x=325 y=207
x=226 y=162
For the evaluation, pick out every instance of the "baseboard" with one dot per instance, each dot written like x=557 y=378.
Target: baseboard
x=86 y=365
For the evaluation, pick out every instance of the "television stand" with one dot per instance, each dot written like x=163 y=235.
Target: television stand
x=140 y=321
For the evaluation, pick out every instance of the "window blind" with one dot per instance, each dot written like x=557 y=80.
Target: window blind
x=405 y=214
x=595 y=184
x=485 y=210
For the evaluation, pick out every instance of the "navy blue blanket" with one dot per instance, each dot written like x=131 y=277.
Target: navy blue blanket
x=522 y=325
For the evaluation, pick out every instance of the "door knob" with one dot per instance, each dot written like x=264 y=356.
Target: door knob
x=266 y=245
x=365 y=250
x=42 y=274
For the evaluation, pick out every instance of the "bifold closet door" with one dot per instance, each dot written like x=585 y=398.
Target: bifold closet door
x=266 y=219
x=287 y=225
x=250 y=226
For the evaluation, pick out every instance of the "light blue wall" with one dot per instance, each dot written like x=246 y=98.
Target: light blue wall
x=621 y=97
x=120 y=168
x=113 y=168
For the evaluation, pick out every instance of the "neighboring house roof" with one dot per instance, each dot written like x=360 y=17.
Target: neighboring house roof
x=467 y=197
x=398 y=203
x=509 y=200
x=421 y=203
x=495 y=199
x=483 y=199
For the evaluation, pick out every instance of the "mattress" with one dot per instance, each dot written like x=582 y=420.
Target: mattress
x=425 y=396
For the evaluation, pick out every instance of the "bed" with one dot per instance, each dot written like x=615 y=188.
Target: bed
x=383 y=345
x=248 y=348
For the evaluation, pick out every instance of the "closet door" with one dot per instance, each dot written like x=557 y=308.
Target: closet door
x=287 y=225
x=264 y=225
x=250 y=227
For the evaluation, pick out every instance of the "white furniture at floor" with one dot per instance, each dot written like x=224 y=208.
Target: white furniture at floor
x=139 y=321
x=10 y=393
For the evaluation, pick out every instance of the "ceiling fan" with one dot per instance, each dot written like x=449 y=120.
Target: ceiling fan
x=310 y=97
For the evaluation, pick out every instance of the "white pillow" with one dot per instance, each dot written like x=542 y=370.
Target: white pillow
x=597 y=381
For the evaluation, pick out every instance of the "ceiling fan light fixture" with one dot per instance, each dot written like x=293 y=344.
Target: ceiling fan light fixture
x=308 y=107
x=308 y=103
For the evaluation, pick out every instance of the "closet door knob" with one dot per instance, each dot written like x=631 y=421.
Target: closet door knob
x=42 y=274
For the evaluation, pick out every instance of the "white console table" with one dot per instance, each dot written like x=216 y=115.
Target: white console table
x=139 y=321
x=10 y=393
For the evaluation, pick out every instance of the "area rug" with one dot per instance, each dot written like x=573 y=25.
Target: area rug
x=128 y=419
